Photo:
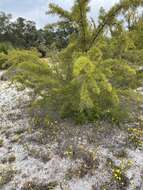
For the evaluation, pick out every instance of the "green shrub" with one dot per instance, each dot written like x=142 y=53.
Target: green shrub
x=3 y=59
x=6 y=174
x=95 y=54
x=94 y=95
x=18 y=56
x=94 y=91
x=5 y=47
x=120 y=73
x=134 y=57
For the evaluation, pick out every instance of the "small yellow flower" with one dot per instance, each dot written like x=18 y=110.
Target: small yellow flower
x=118 y=171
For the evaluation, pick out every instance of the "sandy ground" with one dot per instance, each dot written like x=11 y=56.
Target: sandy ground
x=67 y=157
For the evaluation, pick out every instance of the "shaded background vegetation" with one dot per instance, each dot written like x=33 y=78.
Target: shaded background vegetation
x=23 y=33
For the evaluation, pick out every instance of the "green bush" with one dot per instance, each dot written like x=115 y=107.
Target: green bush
x=18 y=56
x=3 y=59
x=134 y=57
x=27 y=68
x=5 y=47
x=94 y=91
x=95 y=96
x=120 y=73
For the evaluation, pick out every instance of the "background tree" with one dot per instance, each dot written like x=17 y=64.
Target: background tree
x=23 y=33
x=5 y=26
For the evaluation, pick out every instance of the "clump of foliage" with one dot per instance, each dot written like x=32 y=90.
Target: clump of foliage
x=135 y=137
x=18 y=56
x=120 y=178
x=30 y=185
x=89 y=162
x=91 y=87
x=5 y=47
x=18 y=61
x=135 y=57
x=85 y=81
x=1 y=142
x=11 y=158
x=39 y=154
x=6 y=174
x=3 y=59
x=13 y=57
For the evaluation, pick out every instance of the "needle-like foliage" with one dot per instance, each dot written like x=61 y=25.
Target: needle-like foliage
x=94 y=76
